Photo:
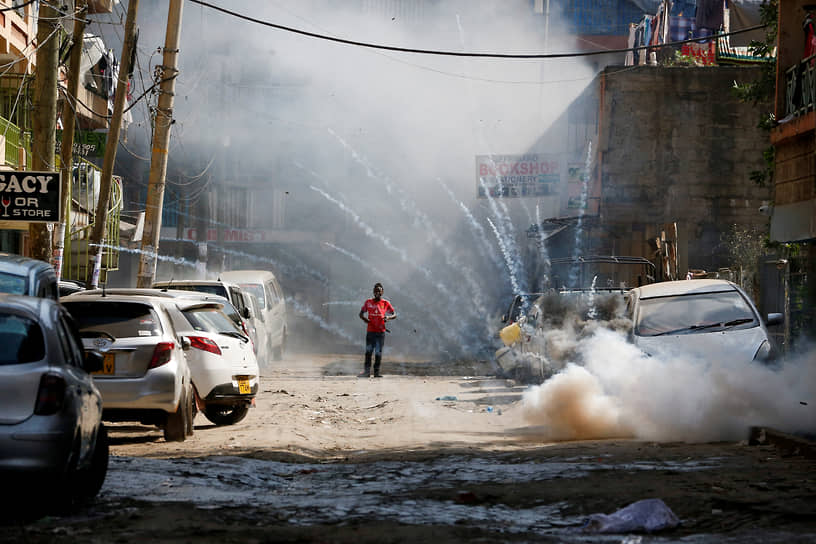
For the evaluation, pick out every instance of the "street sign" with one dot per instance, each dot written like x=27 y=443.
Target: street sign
x=31 y=197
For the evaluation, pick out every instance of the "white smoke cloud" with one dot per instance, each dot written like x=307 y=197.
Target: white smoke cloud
x=617 y=390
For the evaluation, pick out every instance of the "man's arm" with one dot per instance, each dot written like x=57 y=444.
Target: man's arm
x=362 y=316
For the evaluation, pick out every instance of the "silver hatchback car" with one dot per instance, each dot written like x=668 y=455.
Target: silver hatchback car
x=145 y=376
x=51 y=431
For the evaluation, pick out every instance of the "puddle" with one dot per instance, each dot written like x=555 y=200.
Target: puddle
x=309 y=494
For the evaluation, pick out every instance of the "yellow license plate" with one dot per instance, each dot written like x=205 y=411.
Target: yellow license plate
x=244 y=387
x=108 y=365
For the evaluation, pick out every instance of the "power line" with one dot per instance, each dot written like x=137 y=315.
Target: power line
x=460 y=53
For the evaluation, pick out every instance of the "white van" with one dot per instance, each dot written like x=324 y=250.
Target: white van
x=264 y=285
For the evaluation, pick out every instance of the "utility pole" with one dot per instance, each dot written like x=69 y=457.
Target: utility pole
x=161 y=141
x=44 y=118
x=69 y=106
x=101 y=213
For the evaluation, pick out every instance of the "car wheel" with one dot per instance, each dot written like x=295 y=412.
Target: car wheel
x=191 y=413
x=277 y=353
x=175 y=429
x=90 y=479
x=221 y=414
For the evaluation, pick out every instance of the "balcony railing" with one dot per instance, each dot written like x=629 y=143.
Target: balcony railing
x=15 y=140
x=800 y=87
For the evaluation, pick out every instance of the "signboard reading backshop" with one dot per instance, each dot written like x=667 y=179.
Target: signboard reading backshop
x=33 y=197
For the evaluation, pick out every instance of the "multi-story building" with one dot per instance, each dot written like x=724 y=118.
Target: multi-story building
x=793 y=214
x=18 y=46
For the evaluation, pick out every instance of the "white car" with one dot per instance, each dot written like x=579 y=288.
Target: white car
x=222 y=362
x=264 y=285
x=703 y=318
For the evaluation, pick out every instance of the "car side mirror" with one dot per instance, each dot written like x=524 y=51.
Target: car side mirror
x=94 y=361
x=245 y=313
x=185 y=343
x=774 y=319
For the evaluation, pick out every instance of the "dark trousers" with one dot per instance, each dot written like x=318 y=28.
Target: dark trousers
x=374 y=344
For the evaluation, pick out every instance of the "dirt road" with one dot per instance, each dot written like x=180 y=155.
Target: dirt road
x=430 y=451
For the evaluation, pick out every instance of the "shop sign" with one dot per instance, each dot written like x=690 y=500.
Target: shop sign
x=32 y=197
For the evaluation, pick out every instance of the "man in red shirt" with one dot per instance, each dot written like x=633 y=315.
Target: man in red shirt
x=379 y=311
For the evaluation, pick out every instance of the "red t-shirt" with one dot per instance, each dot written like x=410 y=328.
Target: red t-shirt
x=376 y=313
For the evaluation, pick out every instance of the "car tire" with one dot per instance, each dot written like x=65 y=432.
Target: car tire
x=90 y=479
x=175 y=429
x=277 y=352
x=221 y=414
x=191 y=413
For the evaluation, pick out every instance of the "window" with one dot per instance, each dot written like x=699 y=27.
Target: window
x=22 y=340
x=119 y=319
x=72 y=352
x=12 y=283
x=210 y=320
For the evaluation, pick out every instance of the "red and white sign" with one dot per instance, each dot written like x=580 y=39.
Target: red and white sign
x=530 y=175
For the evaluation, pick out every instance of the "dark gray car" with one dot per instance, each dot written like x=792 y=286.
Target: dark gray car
x=25 y=276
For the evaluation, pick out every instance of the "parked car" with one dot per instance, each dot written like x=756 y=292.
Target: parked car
x=228 y=290
x=25 y=276
x=145 y=376
x=69 y=287
x=51 y=434
x=224 y=367
x=264 y=285
x=228 y=308
x=257 y=327
x=700 y=317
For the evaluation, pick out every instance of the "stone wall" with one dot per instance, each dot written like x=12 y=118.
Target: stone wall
x=676 y=145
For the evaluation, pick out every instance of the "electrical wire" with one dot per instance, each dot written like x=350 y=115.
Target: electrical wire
x=458 y=53
x=18 y=6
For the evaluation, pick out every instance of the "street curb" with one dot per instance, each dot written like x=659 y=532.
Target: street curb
x=791 y=444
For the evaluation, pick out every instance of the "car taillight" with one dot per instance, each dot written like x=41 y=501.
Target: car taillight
x=162 y=354
x=204 y=344
x=50 y=396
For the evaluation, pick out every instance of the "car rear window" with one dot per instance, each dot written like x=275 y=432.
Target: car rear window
x=257 y=290
x=210 y=320
x=117 y=318
x=209 y=289
x=12 y=283
x=21 y=339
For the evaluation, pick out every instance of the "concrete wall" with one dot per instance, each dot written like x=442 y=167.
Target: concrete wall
x=676 y=145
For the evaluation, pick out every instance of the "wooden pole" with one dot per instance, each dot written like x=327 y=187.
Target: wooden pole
x=161 y=142
x=44 y=118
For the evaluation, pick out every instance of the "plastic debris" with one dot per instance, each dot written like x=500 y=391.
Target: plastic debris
x=489 y=409
x=446 y=397
x=648 y=515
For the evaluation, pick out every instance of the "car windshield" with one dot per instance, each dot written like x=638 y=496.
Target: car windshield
x=698 y=312
x=119 y=319
x=12 y=283
x=22 y=340
x=210 y=320
x=257 y=290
